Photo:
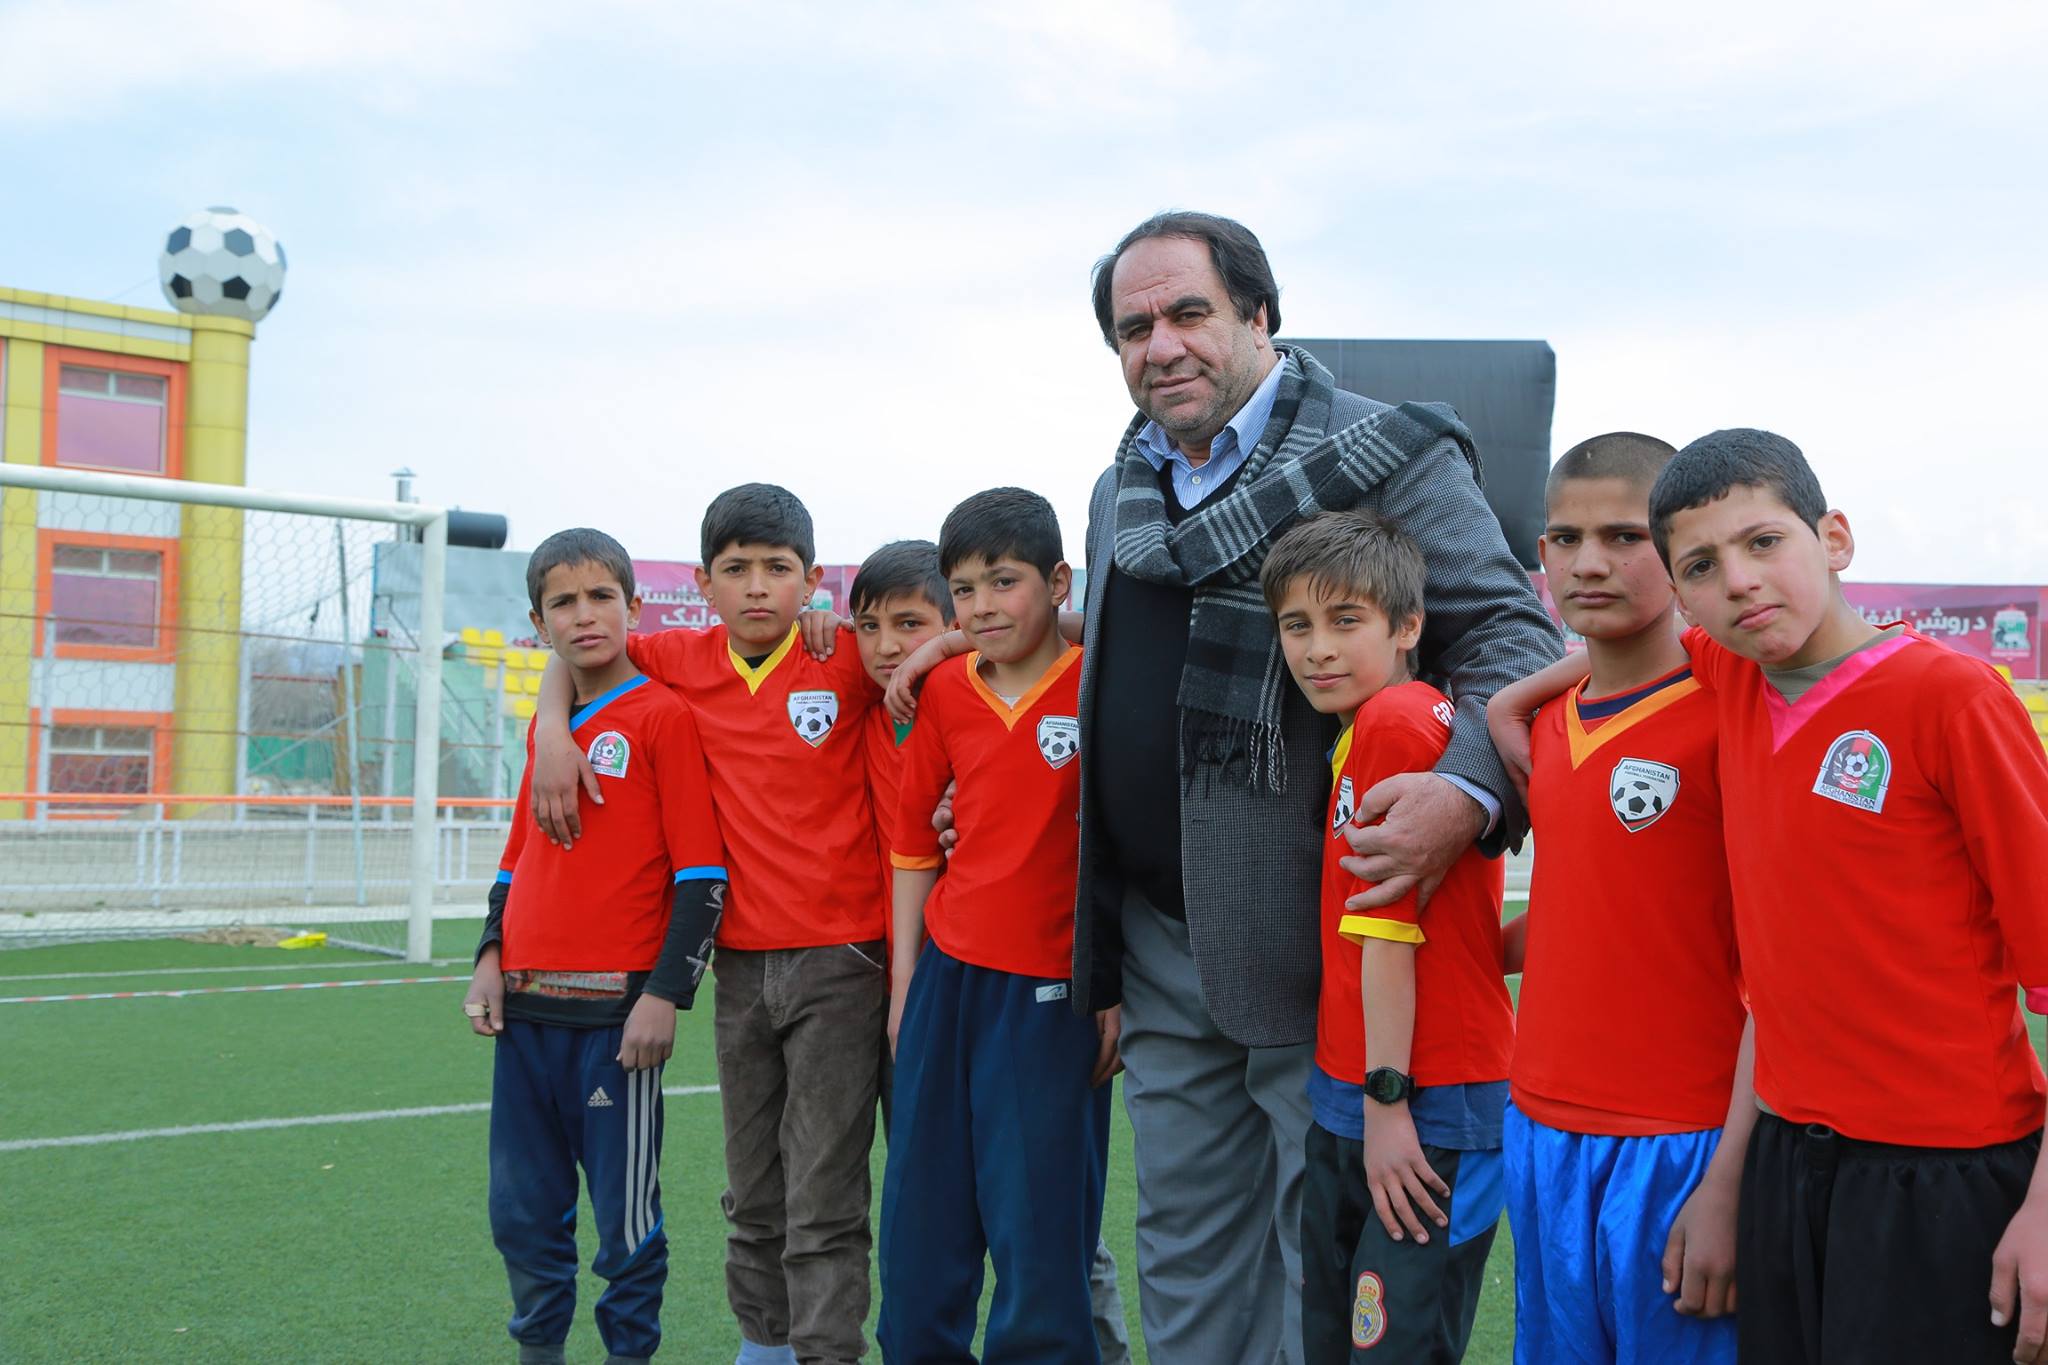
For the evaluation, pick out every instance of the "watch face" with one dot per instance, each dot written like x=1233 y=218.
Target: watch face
x=1386 y=1085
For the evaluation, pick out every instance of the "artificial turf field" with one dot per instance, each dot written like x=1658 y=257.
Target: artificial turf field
x=339 y=1241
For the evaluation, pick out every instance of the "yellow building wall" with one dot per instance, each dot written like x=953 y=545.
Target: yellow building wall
x=215 y=447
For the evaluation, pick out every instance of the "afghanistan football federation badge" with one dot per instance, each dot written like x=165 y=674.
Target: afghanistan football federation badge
x=1059 y=739
x=1347 y=805
x=609 y=753
x=813 y=715
x=1368 y=1313
x=1856 y=771
x=1641 y=791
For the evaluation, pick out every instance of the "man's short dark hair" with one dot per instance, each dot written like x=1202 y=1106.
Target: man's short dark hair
x=1343 y=554
x=578 y=545
x=1235 y=252
x=1012 y=523
x=1721 y=461
x=757 y=514
x=1630 y=456
x=902 y=568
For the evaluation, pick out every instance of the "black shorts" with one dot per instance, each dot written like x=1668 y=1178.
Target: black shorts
x=1850 y=1251
x=1367 y=1297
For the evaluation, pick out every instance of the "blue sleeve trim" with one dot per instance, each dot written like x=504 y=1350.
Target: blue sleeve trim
x=702 y=874
x=504 y=877
x=599 y=703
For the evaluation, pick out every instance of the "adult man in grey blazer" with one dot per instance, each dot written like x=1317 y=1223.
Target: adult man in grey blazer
x=1206 y=772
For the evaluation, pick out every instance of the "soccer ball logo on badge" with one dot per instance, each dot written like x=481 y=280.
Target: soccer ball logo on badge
x=1856 y=772
x=609 y=754
x=1347 y=805
x=1640 y=791
x=1059 y=739
x=813 y=714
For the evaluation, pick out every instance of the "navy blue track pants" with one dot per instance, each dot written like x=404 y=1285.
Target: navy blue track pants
x=559 y=1099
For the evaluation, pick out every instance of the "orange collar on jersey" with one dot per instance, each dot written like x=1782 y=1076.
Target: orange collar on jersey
x=1585 y=743
x=754 y=677
x=1008 y=713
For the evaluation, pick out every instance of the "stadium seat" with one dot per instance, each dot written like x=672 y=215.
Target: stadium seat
x=2037 y=702
x=530 y=684
x=522 y=707
x=537 y=660
x=494 y=638
x=471 y=637
x=2002 y=671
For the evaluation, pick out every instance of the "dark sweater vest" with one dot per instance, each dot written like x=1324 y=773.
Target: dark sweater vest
x=1135 y=764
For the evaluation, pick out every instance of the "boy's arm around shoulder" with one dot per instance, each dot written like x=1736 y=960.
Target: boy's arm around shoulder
x=1512 y=709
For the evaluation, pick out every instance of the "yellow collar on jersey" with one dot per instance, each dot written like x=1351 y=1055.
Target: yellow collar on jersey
x=754 y=677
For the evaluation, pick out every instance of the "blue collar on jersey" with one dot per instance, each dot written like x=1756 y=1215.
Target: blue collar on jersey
x=599 y=703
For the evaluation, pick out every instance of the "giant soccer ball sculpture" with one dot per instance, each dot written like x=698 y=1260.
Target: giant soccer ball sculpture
x=222 y=263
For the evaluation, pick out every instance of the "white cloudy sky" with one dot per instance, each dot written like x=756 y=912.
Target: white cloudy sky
x=594 y=262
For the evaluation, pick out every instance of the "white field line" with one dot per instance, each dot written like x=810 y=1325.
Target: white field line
x=228 y=990
x=209 y=971
x=430 y=1111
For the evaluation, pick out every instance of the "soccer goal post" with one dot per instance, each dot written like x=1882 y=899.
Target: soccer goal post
x=221 y=709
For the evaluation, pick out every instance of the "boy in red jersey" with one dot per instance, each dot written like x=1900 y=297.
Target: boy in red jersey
x=1402 y=1188
x=583 y=965
x=1629 y=1114
x=799 y=969
x=1888 y=850
x=1001 y=1134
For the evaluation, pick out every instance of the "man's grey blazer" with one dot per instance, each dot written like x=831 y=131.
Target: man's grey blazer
x=1251 y=862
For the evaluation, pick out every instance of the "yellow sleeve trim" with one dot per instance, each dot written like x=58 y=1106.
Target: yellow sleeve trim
x=1359 y=928
x=910 y=863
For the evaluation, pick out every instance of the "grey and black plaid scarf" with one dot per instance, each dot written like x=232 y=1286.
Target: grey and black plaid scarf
x=1230 y=691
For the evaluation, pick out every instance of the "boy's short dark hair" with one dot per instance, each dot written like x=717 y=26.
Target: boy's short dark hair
x=1002 y=522
x=1627 y=455
x=1344 y=553
x=757 y=514
x=1235 y=252
x=1719 y=462
x=901 y=568
x=577 y=545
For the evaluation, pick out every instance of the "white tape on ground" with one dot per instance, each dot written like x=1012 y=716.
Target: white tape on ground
x=327 y=966
x=229 y=990
x=431 y=1111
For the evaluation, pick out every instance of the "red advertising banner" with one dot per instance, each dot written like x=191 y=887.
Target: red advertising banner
x=1999 y=623
x=669 y=596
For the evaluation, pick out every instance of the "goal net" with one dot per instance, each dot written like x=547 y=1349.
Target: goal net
x=211 y=718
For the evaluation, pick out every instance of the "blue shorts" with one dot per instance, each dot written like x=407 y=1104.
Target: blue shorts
x=1590 y=1216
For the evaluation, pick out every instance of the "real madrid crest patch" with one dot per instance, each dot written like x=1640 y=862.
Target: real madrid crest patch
x=813 y=714
x=1856 y=772
x=1641 y=791
x=1059 y=739
x=609 y=754
x=1368 y=1313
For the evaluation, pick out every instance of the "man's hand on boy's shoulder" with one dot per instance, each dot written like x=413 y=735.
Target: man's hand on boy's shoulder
x=1407 y=832
x=558 y=767
x=2019 y=1277
x=820 y=632
x=650 y=1033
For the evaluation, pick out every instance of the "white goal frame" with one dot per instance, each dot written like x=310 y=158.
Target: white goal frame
x=432 y=525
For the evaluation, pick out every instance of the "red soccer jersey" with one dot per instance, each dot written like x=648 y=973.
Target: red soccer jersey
x=603 y=906
x=1007 y=899
x=882 y=743
x=1464 y=1022
x=782 y=742
x=1631 y=1010
x=1888 y=846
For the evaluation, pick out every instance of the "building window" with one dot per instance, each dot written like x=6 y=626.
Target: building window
x=106 y=760
x=119 y=413
x=110 y=599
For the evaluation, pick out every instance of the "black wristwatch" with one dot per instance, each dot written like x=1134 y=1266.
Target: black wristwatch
x=1385 y=1085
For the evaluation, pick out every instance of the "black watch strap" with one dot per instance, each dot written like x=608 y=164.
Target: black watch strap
x=1385 y=1085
